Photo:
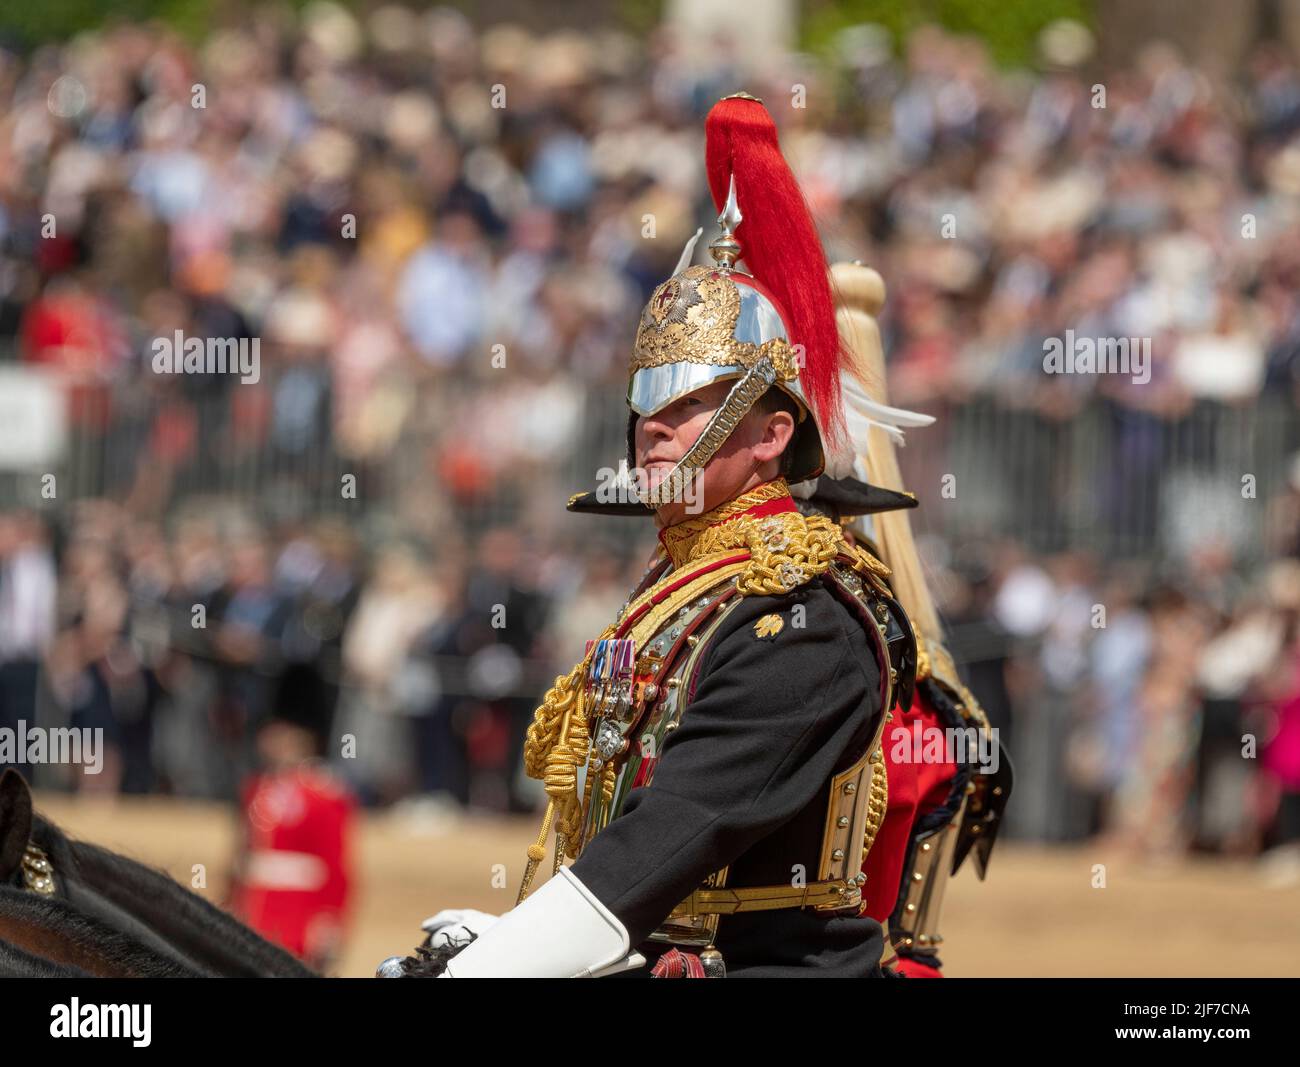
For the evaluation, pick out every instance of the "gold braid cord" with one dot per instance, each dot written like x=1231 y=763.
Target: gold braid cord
x=786 y=549
x=868 y=563
x=681 y=541
x=878 y=799
x=556 y=746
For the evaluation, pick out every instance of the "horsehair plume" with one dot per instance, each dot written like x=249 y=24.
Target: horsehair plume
x=779 y=244
x=860 y=294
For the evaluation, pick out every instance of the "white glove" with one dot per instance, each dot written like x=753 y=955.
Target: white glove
x=455 y=924
x=561 y=931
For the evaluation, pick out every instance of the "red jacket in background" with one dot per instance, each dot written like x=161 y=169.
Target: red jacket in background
x=294 y=879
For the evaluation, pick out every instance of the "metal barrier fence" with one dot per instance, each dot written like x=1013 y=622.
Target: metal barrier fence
x=1116 y=481
x=1113 y=480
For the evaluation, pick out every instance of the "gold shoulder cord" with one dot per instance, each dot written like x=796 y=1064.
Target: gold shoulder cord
x=868 y=562
x=786 y=550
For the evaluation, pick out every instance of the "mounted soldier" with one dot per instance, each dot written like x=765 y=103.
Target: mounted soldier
x=714 y=764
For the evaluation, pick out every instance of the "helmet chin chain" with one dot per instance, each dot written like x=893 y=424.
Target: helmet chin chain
x=743 y=396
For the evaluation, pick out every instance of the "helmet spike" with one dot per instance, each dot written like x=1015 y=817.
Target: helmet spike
x=724 y=248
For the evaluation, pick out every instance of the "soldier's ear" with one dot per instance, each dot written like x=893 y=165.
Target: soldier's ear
x=15 y=821
x=778 y=432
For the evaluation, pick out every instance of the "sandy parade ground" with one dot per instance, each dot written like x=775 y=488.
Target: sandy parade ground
x=1037 y=915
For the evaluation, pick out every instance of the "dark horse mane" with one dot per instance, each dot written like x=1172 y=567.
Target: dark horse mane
x=85 y=946
x=15 y=963
x=128 y=917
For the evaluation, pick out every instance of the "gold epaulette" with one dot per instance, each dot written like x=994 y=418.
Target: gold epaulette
x=786 y=550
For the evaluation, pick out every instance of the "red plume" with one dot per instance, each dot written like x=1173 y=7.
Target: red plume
x=779 y=243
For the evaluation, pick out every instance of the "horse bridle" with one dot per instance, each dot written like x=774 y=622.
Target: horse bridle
x=38 y=872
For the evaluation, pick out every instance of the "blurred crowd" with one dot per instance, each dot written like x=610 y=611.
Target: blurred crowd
x=1162 y=713
x=442 y=236
x=426 y=666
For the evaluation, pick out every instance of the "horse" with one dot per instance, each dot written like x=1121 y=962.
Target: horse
x=69 y=908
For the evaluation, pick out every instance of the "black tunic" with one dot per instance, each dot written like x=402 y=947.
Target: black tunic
x=744 y=781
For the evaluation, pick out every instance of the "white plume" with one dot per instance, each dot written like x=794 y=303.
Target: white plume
x=860 y=414
x=688 y=253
